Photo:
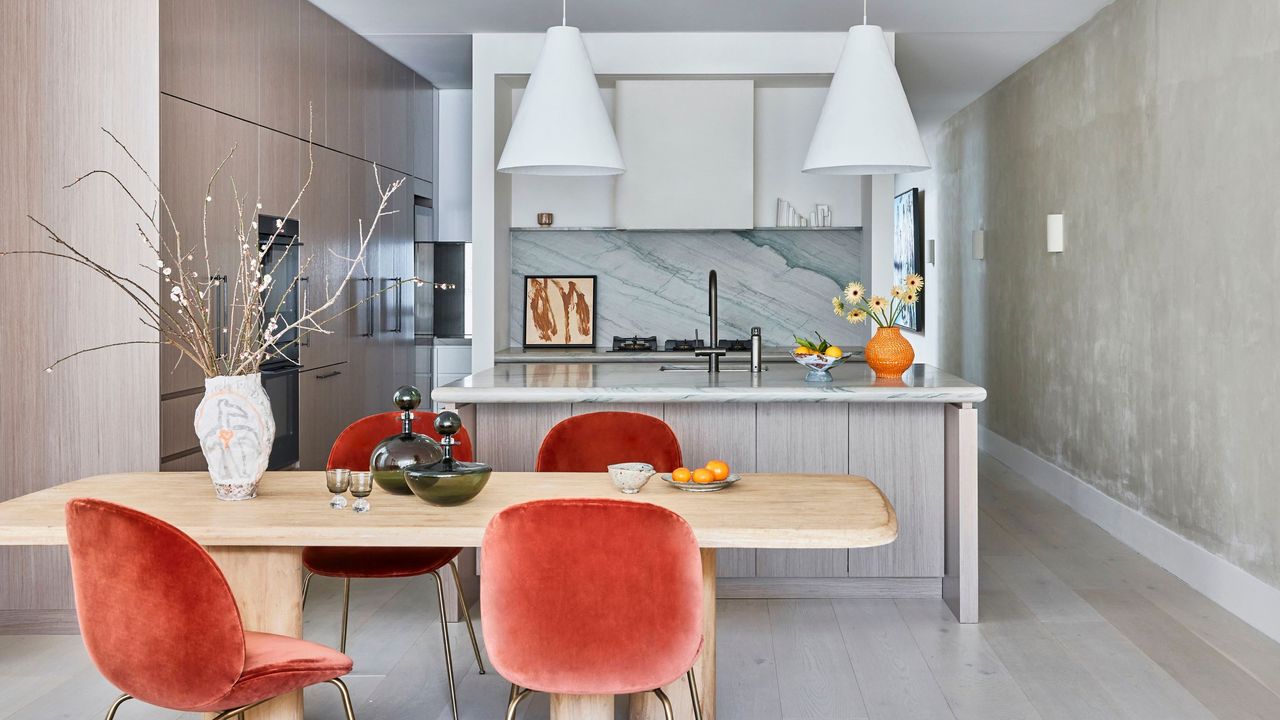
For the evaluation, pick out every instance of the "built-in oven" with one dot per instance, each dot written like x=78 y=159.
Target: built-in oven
x=280 y=247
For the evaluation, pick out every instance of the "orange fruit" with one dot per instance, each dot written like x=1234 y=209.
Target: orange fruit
x=802 y=350
x=681 y=474
x=703 y=475
x=719 y=469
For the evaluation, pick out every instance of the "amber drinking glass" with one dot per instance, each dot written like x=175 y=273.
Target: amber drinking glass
x=337 y=480
x=361 y=486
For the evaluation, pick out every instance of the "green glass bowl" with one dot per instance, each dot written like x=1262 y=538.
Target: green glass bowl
x=447 y=482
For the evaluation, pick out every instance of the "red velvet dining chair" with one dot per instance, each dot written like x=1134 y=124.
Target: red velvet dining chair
x=592 y=442
x=352 y=450
x=161 y=624
x=592 y=597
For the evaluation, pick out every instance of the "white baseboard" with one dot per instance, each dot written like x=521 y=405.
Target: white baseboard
x=1240 y=593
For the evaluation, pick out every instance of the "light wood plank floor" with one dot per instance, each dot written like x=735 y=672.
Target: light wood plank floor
x=1074 y=625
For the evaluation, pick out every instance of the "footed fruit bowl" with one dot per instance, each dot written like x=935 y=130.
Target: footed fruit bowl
x=819 y=365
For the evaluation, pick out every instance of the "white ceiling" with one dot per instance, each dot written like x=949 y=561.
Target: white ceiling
x=949 y=52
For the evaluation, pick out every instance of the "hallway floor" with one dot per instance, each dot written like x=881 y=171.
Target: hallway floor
x=1074 y=625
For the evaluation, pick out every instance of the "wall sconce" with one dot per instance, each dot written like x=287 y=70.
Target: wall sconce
x=1056 y=233
x=979 y=244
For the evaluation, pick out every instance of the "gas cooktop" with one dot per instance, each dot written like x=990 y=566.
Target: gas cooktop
x=650 y=344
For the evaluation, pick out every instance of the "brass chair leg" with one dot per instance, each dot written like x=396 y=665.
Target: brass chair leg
x=666 y=703
x=111 y=713
x=448 y=652
x=346 y=697
x=693 y=695
x=466 y=615
x=306 y=585
x=517 y=696
x=346 y=610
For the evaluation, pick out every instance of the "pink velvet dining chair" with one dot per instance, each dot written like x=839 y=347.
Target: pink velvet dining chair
x=592 y=442
x=161 y=624
x=352 y=450
x=592 y=597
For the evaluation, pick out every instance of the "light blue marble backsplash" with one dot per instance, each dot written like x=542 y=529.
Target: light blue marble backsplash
x=655 y=283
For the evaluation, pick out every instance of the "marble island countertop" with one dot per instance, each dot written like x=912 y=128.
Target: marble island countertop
x=546 y=382
x=604 y=355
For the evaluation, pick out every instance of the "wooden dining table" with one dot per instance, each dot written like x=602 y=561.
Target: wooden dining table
x=258 y=543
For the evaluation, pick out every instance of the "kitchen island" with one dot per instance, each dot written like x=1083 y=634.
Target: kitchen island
x=916 y=438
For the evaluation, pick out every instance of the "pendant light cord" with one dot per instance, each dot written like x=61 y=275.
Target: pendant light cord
x=564 y=12
x=864 y=12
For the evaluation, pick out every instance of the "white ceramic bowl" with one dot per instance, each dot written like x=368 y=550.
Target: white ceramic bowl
x=630 y=477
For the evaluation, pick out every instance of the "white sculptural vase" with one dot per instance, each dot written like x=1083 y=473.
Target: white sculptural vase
x=235 y=428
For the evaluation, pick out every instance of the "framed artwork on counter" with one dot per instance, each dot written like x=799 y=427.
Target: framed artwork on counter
x=560 y=311
x=908 y=252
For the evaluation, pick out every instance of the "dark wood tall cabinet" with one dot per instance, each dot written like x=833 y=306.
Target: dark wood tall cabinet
x=259 y=75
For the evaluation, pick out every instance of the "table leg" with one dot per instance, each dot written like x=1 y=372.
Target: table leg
x=960 y=584
x=646 y=706
x=581 y=707
x=267 y=582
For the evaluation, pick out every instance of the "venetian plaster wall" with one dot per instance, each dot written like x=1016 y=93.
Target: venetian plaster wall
x=1142 y=360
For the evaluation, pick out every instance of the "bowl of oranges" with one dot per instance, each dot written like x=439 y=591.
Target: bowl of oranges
x=819 y=357
x=713 y=476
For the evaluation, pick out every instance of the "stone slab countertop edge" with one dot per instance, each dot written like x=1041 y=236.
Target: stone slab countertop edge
x=645 y=383
x=602 y=355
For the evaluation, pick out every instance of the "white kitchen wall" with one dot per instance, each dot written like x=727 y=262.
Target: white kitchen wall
x=577 y=202
x=926 y=343
x=785 y=119
x=453 y=166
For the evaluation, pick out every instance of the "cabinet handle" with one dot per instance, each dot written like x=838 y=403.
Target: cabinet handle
x=304 y=337
x=220 y=325
x=399 y=304
x=328 y=375
x=368 y=307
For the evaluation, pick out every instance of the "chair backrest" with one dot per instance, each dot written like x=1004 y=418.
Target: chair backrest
x=356 y=443
x=156 y=613
x=592 y=442
x=591 y=596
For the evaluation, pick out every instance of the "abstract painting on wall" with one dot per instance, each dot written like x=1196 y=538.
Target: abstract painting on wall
x=908 y=251
x=560 y=311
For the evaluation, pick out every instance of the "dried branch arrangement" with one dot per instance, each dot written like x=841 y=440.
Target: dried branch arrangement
x=222 y=335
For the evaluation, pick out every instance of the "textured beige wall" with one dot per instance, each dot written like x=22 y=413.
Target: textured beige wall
x=1146 y=359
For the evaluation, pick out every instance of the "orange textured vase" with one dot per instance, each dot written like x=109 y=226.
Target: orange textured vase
x=888 y=353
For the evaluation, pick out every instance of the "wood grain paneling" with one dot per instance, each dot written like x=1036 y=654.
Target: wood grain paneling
x=278 y=69
x=813 y=437
x=324 y=220
x=315 y=33
x=322 y=412
x=901 y=446
x=508 y=436
x=176 y=416
x=725 y=432
x=338 y=90
x=66 y=74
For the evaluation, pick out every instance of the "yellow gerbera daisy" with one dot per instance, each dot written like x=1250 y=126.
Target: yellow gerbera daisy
x=837 y=305
x=910 y=298
x=878 y=303
x=898 y=292
x=856 y=317
x=915 y=282
x=854 y=293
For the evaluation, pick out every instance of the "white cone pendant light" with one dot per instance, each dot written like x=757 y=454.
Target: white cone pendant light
x=561 y=126
x=866 y=126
